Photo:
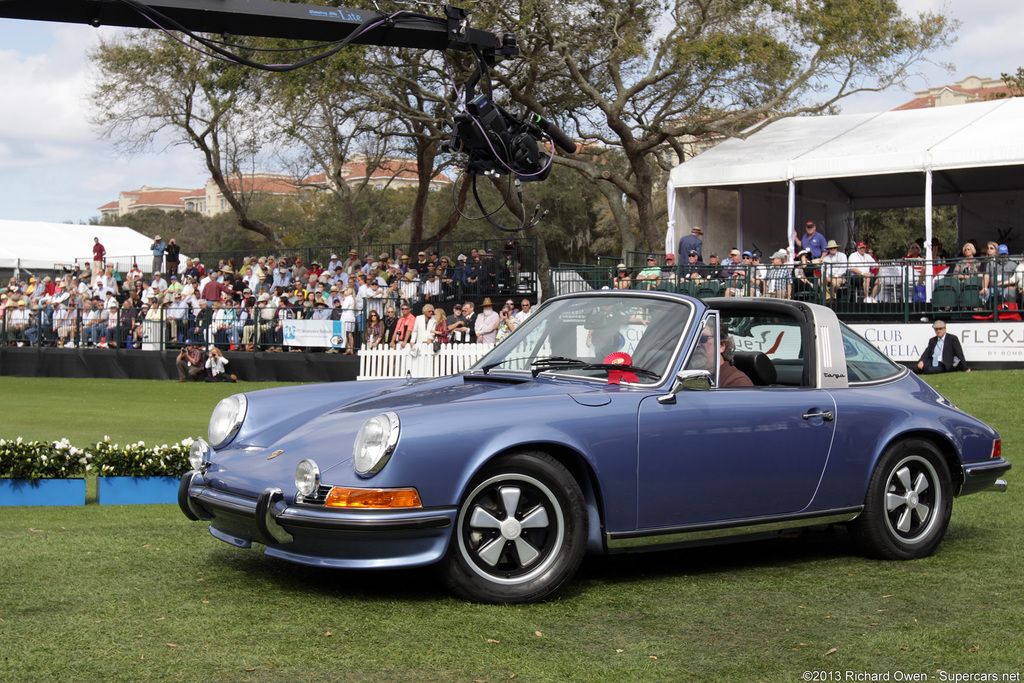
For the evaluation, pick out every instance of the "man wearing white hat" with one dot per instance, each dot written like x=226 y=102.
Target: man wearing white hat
x=833 y=267
x=158 y=248
x=778 y=281
x=943 y=353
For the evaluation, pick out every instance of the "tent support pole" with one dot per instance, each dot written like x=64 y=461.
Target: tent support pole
x=928 y=232
x=739 y=219
x=791 y=216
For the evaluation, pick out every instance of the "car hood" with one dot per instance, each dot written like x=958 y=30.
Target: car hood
x=274 y=413
x=285 y=426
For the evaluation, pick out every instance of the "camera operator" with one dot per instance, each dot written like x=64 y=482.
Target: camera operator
x=507 y=320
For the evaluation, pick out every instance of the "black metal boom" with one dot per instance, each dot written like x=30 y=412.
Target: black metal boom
x=271 y=19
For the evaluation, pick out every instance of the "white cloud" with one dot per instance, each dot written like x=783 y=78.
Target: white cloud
x=53 y=166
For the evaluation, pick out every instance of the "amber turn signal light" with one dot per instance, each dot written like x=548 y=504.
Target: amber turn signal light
x=343 y=497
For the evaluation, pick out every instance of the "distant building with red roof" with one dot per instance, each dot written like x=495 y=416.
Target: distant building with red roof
x=162 y=198
x=971 y=89
x=210 y=201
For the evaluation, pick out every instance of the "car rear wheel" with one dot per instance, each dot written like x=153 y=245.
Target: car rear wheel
x=520 y=532
x=908 y=504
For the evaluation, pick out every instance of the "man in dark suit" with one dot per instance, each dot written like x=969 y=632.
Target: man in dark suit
x=943 y=353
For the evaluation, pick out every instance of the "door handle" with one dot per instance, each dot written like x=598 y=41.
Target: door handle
x=826 y=415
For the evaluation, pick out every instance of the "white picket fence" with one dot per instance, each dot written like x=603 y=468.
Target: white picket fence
x=419 y=361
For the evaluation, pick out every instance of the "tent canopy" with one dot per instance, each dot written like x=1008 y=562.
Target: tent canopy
x=31 y=245
x=975 y=153
x=983 y=134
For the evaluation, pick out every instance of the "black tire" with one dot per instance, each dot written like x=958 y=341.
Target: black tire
x=520 y=533
x=908 y=504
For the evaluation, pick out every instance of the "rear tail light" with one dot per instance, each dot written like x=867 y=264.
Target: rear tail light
x=997 y=448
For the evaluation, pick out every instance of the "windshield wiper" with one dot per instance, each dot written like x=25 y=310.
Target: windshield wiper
x=556 y=362
x=542 y=364
x=490 y=366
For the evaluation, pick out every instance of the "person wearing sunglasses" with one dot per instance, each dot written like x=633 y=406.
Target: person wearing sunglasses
x=707 y=353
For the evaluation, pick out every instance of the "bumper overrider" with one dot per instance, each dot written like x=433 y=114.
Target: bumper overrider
x=311 y=534
x=984 y=476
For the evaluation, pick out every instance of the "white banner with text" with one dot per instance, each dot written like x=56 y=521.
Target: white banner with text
x=982 y=341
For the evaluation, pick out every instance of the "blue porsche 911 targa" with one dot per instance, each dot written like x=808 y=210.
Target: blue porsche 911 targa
x=608 y=422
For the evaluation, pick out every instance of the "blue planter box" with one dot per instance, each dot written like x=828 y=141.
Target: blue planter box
x=42 y=492
x=136 y=490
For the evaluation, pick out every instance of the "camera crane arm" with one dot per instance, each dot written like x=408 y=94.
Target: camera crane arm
x=270 y=19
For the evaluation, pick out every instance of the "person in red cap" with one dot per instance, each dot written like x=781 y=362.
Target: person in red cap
x=862 y=266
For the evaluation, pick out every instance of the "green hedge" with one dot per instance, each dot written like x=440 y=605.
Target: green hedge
x=33 y=460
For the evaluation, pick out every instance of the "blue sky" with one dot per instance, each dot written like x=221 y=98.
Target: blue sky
x=53 y=166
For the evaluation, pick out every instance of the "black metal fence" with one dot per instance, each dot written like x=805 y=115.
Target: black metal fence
x=893 y=290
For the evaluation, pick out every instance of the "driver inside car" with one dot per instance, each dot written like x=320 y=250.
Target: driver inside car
x=705 y=356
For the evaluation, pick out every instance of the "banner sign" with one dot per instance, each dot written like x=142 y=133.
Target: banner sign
x=318 y=333
x=982 y=342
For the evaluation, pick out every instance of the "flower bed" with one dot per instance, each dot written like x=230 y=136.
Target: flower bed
x=138 y=460
x=33 y=460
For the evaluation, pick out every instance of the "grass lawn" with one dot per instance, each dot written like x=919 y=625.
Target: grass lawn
x=126 y=410
x=139 y=593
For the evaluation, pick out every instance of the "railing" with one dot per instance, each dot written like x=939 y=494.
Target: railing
x=419 y=361
x=899 y=289
x=260 y=329
x=255 y=328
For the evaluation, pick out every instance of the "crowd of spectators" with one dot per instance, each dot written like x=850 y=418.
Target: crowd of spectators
x=232 y=306
x=818 y=269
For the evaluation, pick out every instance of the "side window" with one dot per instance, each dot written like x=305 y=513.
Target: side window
x=865 y=363
x=706 y=349
x=779 y=337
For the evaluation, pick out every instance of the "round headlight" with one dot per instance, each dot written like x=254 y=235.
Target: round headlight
x=226 y=419
x=375 y=443
x=307 y=477
x=199 y=455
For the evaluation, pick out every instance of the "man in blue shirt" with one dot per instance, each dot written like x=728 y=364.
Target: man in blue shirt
x=812 y=240
x=943 y=353
x=158 y=247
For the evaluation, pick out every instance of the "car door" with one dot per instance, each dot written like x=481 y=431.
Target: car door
x=731 y=453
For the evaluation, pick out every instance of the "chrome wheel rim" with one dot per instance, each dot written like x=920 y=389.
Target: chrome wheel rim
x=511 y=529
x=913 y=499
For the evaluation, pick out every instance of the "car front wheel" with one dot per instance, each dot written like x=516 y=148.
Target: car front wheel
x=908 y=504
x=520 y=532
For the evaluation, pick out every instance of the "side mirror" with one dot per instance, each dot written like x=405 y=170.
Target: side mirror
x=689 y=380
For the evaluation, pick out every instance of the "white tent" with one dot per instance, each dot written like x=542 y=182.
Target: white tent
x=754 y=191
x=32 y=246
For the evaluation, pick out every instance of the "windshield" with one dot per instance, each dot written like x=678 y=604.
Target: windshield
x=573 y=335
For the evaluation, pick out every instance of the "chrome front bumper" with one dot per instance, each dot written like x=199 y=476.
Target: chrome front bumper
x=317 y=535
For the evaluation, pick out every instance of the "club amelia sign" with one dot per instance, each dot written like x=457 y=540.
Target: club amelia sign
x=981 y=341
